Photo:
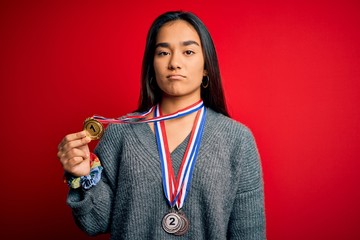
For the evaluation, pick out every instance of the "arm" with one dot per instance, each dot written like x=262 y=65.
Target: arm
x=247 y=220
x=92 y=208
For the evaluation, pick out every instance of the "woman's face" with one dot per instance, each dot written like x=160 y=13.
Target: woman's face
x=179 y=60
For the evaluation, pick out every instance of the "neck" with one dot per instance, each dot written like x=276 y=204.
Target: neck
x=171 y=105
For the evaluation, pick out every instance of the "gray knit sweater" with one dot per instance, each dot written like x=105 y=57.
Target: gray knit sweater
x=225 y=200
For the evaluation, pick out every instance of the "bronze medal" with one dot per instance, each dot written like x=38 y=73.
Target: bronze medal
x=94 y=128
x=172 y=222
x=185 y=225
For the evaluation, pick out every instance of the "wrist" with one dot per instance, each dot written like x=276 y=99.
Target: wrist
x=86 y=182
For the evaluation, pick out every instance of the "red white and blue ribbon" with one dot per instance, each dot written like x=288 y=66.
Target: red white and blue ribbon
x=130 y=118
x=176 y=190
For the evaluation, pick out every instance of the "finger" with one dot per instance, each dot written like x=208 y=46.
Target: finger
x=71 y=145
x=79 y=169
x=75 y=144
x=72 y=137
x=73 y=156
x=72 y=162
x=76 y=163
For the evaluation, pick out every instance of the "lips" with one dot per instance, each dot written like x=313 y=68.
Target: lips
x=175 y=77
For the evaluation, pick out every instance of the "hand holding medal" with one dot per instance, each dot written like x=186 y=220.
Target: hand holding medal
x=73 y=153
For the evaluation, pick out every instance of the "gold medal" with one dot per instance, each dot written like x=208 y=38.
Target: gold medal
x=94 y=128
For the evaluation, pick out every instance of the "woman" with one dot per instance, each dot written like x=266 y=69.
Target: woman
x=197 y=176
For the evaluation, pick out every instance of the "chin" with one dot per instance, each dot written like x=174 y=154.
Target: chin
x=182 y=93
x=175 y=95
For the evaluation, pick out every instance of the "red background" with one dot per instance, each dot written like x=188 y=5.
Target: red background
x=290 y=71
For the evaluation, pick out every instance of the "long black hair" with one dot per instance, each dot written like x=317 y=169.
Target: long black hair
x=212 y=95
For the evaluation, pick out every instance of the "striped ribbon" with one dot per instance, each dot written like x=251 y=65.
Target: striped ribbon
x=130 y=118
x=176 y=190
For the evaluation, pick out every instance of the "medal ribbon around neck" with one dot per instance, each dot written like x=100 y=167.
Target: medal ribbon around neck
x=130 y=118
x=176 y=190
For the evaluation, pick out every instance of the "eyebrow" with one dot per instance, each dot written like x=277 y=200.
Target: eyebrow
x=185 y=43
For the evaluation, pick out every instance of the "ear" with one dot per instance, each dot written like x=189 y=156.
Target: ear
x=205 y=73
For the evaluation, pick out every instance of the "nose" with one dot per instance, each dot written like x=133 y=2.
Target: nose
x=175 y=61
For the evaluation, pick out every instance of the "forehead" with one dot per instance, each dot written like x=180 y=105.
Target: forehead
x=176 y=32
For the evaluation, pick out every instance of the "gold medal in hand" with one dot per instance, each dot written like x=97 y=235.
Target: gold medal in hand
x=94 y=128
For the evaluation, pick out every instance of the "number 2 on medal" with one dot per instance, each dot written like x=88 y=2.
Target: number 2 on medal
x=172 y=221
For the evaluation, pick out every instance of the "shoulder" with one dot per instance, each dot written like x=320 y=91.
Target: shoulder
x=231 y=136
x=236 y=141
x=226 y=126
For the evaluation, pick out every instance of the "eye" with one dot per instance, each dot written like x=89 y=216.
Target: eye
x=162 y=53
x=189 y=52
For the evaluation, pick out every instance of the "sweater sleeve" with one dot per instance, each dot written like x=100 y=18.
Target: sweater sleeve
x=247 y=220
x=91 y=208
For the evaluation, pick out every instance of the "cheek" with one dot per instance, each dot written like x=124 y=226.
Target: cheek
x=198 y=68
x=158 y=67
